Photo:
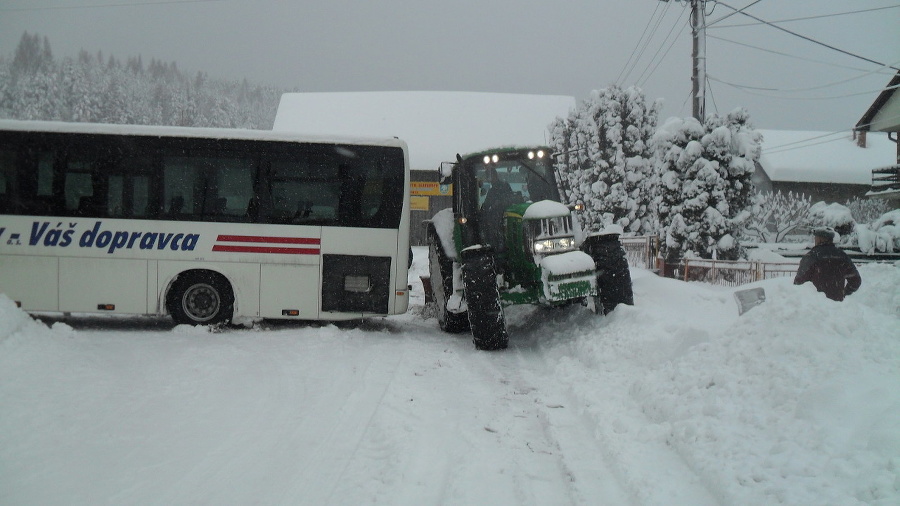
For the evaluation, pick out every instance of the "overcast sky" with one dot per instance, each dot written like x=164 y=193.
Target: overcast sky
x=567 y=47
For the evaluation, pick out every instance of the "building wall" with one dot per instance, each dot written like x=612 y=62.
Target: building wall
x=424 y=203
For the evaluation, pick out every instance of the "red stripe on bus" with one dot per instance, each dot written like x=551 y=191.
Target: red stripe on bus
x=266 y=249
x=276 y=240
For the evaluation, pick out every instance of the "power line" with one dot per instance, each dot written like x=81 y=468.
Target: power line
x=804 y=143
x=889 y=118
x=791 y=55
x=713 y=98
x=736 y=11
x=102 y=6
x=647 y=42
x=641 y=79
x=809 y=39
x=640 y=39
x=865 y=73
x=751 y=89
x=812 y=17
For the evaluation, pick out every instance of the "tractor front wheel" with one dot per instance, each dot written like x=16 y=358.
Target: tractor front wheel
x=486 y=317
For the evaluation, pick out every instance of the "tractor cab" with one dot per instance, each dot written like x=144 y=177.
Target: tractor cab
x=489 y=189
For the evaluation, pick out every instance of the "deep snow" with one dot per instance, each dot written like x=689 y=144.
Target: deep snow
x=676 y=400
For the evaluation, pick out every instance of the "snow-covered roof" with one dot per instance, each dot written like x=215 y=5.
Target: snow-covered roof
x=824 y=157
x=435 y=125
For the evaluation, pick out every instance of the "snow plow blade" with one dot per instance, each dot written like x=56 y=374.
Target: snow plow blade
x=749 y=299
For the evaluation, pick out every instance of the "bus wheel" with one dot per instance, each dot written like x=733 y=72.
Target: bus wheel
x=440 y=269
x=483 y=298
x=201 y=298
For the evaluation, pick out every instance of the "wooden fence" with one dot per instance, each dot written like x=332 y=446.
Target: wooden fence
x=734 y=273
x=642 y=252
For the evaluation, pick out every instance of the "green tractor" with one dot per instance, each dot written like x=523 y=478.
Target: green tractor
x=508 y=240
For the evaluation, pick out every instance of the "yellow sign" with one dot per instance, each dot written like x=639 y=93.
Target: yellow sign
x=429 y=188
x=417 y=203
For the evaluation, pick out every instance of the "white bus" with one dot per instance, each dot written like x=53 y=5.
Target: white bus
x=206 y=225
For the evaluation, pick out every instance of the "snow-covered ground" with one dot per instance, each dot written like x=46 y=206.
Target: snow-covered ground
x=674 y=401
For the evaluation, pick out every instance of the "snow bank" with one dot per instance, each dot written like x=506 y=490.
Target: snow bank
x=16 y=324
x=795 y=402
x=882 y=235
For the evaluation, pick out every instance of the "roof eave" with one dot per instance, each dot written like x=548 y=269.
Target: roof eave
x=865 y=122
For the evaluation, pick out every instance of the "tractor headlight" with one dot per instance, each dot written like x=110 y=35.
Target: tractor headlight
x=556 y=245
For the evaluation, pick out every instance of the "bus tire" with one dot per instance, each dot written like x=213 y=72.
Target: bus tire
x=201 y=298
x=440 y=269
x=486 y=317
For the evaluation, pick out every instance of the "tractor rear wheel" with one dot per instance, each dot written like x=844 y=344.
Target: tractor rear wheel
x=441 y=270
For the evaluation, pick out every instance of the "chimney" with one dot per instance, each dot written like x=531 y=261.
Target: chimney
x=861 y=139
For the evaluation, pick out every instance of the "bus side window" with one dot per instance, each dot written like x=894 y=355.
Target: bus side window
x=232 y=188
x=35 y=184
x=175 y=209
x=79 y=192
x=128 y=188
x=7 y=170
x=183 y=185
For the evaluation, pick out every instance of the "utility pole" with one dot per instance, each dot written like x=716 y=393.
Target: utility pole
x=698 y=55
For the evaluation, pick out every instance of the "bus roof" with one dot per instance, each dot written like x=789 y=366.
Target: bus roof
x=190 y=132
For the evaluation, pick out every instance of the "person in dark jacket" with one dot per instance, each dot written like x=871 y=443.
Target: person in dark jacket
x=828 y=268
x=500 y=197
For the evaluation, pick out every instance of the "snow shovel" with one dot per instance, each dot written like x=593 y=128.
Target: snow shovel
x=749 y=299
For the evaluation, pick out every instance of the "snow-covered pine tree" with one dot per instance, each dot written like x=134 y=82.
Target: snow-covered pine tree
x=705 y=174
x=605 y=158
x=676 y=146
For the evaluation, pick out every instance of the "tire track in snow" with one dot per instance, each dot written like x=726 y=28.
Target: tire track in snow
x=635 y=447
x=522 y=412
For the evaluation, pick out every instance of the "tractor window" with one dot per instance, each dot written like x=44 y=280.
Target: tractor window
x=512 y=179
x=529 y=181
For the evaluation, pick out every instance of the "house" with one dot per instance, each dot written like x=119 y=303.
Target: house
x=827 y=166
x=436 y=125
x=884 y=116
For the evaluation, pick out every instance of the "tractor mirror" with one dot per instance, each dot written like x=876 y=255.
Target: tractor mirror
x=445 y=171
